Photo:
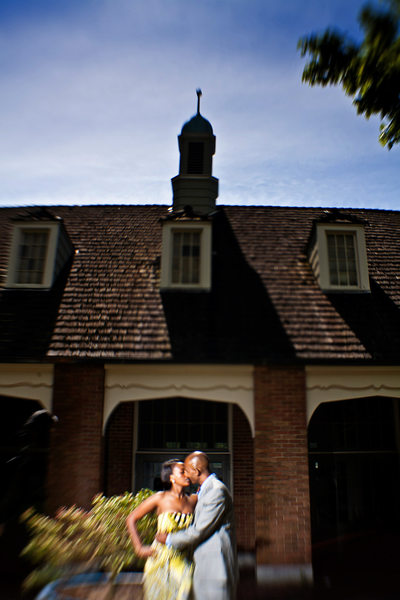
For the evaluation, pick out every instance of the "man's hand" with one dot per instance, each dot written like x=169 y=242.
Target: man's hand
x=161 y=537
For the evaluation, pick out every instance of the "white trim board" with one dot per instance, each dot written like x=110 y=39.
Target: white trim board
x=218 y=383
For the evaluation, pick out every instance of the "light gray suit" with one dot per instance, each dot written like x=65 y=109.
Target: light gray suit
x=211 y=539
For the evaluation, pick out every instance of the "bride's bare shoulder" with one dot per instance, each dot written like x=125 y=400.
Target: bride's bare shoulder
x=163 y=499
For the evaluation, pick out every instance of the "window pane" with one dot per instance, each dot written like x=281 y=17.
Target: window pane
x=332 y=259
x=351 y=260
x=186 y=257
x=176 y=258
x=342 y=259
x=182 y=424
x=32 y=256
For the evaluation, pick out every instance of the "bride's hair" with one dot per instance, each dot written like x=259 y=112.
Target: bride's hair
x=166 y=471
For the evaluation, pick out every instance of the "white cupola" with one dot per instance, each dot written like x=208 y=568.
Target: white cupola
x=195 y=186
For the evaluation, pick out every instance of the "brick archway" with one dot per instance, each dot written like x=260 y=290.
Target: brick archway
x=118 y=457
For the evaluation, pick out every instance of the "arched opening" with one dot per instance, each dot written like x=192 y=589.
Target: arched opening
x=23 y=465
x=354 y=465
x=139 y=436
x=14 y=413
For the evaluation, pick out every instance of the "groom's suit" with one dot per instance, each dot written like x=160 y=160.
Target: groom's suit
x=211 y=538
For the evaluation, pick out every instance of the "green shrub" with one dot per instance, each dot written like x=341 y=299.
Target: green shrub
x=76 y=540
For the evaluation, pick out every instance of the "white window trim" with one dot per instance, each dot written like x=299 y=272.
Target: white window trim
x=48 y=273
x=361 y=257
x=169 y=228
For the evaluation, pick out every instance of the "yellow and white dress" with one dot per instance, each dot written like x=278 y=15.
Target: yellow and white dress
x=168 y=573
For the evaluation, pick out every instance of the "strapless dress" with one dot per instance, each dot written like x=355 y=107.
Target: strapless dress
x=168 y=573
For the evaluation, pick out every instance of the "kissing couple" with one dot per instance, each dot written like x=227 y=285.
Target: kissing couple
x=193 y=555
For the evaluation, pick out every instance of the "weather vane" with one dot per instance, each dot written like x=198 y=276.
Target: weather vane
x=198 y=92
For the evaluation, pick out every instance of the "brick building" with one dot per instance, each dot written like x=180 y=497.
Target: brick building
x=267 y=336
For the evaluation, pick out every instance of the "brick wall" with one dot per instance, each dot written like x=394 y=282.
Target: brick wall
x=243 y=480
x=283 y=535
x=75 y=469
x=119 y=449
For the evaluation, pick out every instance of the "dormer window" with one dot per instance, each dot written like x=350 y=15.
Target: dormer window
x=39 y=250
x=339 y=258
x=186 y=255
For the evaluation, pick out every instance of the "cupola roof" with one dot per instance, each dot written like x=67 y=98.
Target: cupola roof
x=198 y=124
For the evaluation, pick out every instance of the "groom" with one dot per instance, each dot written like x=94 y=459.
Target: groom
x=211 y=536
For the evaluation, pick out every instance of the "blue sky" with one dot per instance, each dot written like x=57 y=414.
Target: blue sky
x=95 y=92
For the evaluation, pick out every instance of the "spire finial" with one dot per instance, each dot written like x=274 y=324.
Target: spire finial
x=198 y=92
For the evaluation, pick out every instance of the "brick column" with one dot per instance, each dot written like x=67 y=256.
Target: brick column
x=75 y=469
x=119 y=449
x=283 y=530
x=243 y=480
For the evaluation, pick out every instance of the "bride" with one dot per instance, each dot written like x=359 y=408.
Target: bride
x=167 y=573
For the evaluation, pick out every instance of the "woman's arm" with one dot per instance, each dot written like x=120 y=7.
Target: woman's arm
x=147 y=506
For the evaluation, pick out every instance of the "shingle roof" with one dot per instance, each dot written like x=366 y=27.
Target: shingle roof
x=265 y=304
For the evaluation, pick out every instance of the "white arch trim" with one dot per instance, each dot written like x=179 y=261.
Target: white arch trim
x=32 y=382
x=328 y=384
x=218 y=383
